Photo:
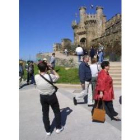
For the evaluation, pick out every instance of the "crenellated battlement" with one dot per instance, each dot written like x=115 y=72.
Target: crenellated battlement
x=90 y=17
x=99 y=7
x=115 y=19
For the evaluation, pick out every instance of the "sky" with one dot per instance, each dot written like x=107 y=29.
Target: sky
x=45 y=22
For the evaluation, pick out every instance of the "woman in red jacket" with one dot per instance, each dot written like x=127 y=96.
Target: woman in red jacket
x=104 y=90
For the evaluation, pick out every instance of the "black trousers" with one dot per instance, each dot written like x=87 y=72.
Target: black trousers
x=52 y=101
x=108 y=107
x=30 y=76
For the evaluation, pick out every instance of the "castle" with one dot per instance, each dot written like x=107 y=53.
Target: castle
x=93 y=29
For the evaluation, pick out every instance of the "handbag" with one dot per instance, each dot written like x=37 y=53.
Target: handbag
x=99 y=114
x=55 y=87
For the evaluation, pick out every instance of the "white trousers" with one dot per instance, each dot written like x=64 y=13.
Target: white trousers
x=86 y=91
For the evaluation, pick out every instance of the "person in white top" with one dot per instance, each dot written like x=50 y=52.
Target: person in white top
x=79 y=52
x=66 y=52
x=95 y=68
x=48 y=96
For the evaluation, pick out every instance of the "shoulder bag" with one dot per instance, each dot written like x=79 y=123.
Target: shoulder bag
x=56 y=88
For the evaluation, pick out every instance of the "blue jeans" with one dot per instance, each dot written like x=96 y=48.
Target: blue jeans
x=79 y=58
x=32 y=79
x=30 y=76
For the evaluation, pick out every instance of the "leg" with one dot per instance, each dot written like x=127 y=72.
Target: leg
x=83 y=93
x=94 y=80
x=32 y=79
x=28 y=78
x=109 y=105
x=79 y=58
x=55 y=107
x=45 y=111
x=90 y=96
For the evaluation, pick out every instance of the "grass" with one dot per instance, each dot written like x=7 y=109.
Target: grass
x=69 y=76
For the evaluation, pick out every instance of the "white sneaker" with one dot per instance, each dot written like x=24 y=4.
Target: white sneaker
x=48 y=133
x=59 y=130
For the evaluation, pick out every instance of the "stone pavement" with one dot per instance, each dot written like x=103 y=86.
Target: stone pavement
x=75 y=119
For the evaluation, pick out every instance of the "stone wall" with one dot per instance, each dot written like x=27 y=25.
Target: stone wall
x=111 y=38
x=59 y=62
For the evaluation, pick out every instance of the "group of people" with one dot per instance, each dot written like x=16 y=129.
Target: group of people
x=97 y=84
x=29 y=67
x=95 y=80
x=93 y=53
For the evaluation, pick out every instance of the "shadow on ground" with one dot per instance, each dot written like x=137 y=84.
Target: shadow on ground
x=64 y=113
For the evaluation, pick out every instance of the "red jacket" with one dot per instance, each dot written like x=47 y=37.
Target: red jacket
x=105 y=84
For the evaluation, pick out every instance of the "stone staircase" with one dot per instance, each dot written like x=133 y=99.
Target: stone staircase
x=115 y=72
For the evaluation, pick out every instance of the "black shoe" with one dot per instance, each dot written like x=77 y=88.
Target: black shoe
x=116 y=119
x=74 y=101
x=90 y=105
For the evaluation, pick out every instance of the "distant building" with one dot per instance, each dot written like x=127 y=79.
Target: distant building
x=66 y=43
x=57 y=47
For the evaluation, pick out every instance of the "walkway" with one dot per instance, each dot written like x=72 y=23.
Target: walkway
x=76 y=119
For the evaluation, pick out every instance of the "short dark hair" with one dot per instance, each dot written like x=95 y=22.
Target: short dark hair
x=85 y=56
x=53 y=53
x=42 y=66
x=104 y=64
x=93 y=60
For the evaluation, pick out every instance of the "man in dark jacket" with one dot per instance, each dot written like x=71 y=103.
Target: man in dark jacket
x=30 y=72
x=92 y=53
x=85 y=79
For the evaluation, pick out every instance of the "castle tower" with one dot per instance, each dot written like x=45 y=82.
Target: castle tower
x=99 y=11
x=99 y=17
x=91 y=26
x=82 y=15
x=104 y=24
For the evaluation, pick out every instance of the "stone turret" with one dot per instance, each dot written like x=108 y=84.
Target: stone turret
x=99 y=11
x=99 y=18
x=82 y=15
x=104 y=24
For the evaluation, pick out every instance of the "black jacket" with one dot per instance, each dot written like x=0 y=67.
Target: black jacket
x=92 y=53
x=84 y=72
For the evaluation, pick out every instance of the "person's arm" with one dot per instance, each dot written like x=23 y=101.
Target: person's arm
x=54 y=72
x=54 y=75
x=101 y=84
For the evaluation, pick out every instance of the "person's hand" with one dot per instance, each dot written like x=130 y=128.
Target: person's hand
x=101 y=95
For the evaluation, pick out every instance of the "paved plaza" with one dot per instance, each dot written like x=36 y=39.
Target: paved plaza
x=75 y=119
